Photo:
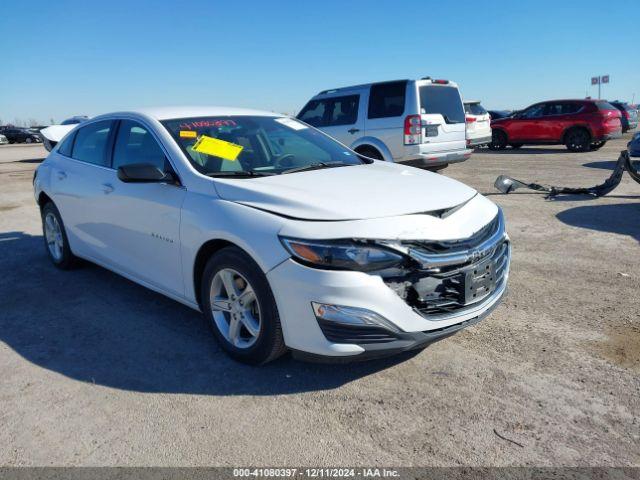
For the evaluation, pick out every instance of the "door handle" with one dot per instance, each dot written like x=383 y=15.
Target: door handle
x=107 y=188
x=61 y=175
x=353 y=130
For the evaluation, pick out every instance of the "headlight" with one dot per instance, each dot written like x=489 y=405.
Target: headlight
x=341 y=255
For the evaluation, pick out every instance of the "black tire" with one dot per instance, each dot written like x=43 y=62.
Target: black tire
x=66 y=260
x=370 y=152
x=597 y=145
x=516 y=146
x=498 y=140
x=269 y=344
x=28 y=140
x=577 y=140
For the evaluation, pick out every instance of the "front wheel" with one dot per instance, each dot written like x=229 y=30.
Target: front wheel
x=578 y=140
x=240 y=308
x=29 y=140
x=498 y=140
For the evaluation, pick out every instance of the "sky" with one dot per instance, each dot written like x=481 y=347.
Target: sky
x=61 y=58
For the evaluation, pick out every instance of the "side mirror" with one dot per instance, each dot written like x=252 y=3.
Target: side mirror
x=143 y=173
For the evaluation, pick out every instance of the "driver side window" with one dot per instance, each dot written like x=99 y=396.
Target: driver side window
x=135 y=144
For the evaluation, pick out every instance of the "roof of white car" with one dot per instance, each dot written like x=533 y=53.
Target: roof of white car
x=166 y=113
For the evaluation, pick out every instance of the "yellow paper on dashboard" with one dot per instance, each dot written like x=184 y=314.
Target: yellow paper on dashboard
x=217 y=148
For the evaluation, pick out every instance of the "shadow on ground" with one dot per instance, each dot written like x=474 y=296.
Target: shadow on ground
x=94 y=326
x=30 y=160
x=522 y=151
x=604 y=165
x=622 y=218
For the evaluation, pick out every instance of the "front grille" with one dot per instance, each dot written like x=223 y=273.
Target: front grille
x=341 y=333
x=450 y=277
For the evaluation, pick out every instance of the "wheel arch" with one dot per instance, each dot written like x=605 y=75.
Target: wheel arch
x=501 y=130
x=580 y=126
x=372 y=142
x=43 y=199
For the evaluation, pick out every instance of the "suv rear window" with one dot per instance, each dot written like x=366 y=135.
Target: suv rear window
x=474 y=109
x=387 y=99
x=443 y=100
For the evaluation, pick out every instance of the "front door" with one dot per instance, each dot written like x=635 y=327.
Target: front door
x=143 y=219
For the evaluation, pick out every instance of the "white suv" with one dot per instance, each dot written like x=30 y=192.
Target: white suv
x=478 y=124
x=274 y=230
x=416 y=122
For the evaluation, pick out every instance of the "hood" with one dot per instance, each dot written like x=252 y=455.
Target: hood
x=357 y=192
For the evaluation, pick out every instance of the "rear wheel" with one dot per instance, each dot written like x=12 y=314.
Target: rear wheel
x=498 y=140
x=55 y=238
x=240 y=309
x=577 y=140
x=597 y=145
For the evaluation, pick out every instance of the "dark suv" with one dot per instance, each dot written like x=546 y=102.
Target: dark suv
x=629 y=116
x=20 y=135
x=581 y=125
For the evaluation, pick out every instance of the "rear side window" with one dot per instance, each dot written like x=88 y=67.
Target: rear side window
x=387 y=99
x=563 y=108
x=344 y=110
x=314 y=113
x=443 y=100
x=602 y=105
x=474 y=109
x=134 y=144
x=66 y=145
x=91 y=142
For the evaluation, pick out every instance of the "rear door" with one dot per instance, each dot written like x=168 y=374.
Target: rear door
x=385 y=115
x=442 y=111
x=79 y=183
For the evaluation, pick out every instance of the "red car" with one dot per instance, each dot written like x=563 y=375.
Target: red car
x=581 y=125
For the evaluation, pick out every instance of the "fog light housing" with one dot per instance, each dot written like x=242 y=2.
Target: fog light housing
x=354 y=316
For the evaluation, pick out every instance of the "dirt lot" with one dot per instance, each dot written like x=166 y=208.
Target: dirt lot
x=99 y=371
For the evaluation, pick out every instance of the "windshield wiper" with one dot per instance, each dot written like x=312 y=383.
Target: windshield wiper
x=317 y=166
x=239 y=173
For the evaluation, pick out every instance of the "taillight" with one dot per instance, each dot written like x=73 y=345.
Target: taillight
x=470 y=119
x=412 y=130
x=440 y=82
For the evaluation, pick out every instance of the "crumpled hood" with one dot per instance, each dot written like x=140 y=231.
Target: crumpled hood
x=374 y=190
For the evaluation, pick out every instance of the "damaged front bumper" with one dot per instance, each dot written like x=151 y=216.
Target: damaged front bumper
x=449 y=286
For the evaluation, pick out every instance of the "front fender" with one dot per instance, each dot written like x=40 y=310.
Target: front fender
x=376 y=143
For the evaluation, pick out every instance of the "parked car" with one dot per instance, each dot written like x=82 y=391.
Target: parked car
x=276 y=232
x=634 y=146
x=3 y=140
x=478 y=124
x=495 y=114
x=579 y=124
x=20 y=135
x=414 y=122
x=629 y=116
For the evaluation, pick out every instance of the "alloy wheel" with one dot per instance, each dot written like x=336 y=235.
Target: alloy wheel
x=53 y=236
x=235 y=308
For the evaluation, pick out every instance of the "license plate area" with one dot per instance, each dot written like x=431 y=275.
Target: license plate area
x=479 y=281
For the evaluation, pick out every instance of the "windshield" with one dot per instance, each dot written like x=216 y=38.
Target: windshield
x=443 y=100
x=254 y=145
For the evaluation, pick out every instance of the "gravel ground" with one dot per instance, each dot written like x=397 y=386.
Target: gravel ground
x=99 y=371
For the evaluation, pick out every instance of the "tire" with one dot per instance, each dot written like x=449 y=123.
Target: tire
x=28 y=140
x=577 y=140
x=257 y=337
x=597 y=145
x=498 y=140
x=56 y=242
x=516 y=146
x=370 y=152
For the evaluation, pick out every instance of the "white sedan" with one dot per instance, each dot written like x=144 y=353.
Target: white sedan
x=282 y=237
